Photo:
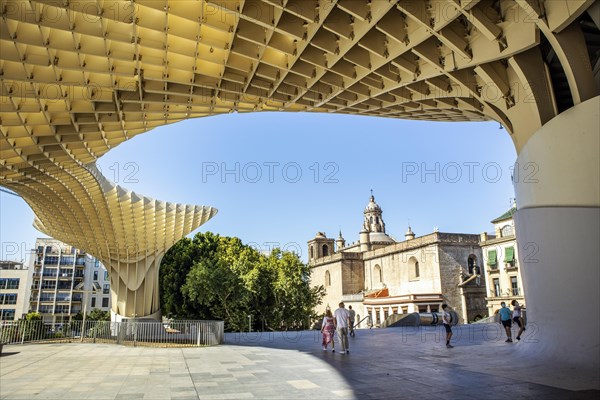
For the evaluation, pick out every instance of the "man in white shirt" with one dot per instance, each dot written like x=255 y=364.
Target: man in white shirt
x=342 y=320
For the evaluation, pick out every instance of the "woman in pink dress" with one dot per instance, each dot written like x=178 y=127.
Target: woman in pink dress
x=328 y=330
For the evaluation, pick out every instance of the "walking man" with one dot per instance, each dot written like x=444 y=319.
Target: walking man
x=342 y=321
x=505 y=320
x=518 y=317
x=446 y=320
x=352 y=314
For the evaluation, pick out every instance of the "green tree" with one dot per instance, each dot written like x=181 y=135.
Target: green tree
x=98 y=315
x=214 y=277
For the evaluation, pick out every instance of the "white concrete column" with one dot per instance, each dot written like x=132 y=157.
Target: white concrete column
x=557 y=185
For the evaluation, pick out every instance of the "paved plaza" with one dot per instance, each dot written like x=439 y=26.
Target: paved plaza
x=393 y=363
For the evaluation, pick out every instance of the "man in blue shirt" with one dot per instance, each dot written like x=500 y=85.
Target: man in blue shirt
x=506 y=320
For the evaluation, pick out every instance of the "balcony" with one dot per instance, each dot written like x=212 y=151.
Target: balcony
x=510 y=267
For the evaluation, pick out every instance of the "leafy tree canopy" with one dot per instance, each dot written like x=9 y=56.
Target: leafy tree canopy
x=215 y=277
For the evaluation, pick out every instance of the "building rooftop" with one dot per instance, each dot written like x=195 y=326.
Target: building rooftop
x=507 y=215
x=12 y=265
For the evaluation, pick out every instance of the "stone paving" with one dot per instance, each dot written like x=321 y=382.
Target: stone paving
x=393 y=363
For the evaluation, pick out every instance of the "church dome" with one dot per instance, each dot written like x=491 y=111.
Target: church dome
x=380 y=237
x=372 y=206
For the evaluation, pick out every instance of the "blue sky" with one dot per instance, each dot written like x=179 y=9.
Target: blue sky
x=281 y=177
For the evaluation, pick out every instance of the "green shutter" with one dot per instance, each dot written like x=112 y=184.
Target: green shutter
x=509 y=254
x=492 y=260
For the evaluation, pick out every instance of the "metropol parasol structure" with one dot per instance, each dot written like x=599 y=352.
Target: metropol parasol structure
x=79 y=77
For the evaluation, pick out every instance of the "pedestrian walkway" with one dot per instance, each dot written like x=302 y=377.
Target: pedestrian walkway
x=393 y=363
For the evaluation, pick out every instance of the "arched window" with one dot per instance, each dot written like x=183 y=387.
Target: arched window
x=377 y=275
x=312 y=253
x=507 y=230
x=472 y=264
x=327 y=278
x=371 y=220
x=325 y=250
x=414 y=271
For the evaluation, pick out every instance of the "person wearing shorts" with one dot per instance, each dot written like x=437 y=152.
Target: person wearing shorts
x=446 y=319
x=518 y=317
x=506 y=320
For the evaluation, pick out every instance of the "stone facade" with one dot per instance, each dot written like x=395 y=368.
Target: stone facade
x=380 y=276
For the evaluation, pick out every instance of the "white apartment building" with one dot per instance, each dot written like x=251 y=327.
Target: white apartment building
x=502 y=272
x=15 y=286
x=64 y=279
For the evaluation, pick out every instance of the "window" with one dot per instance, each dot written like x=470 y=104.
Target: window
x=106 y=288
x=507 y=230
x=9 y=298
x=414 y=271
x=325 y=250
x=497 y=287
x=472 y=264
x=93 y=302
x=95 y=275
x=105 y=275
x=52 y=260
x=492 y=259
x=67 y=260
x=509 y=256
x=46 y=309
x=312 y=255
x=9 y=283
x=62 y=309
x=7 y=315
x=105 y=302
x=377 y=275
x=327 y=278
x=514 y=285
x=48 y=284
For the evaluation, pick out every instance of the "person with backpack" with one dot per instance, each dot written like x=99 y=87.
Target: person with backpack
x=352 y=315
x=447 y=320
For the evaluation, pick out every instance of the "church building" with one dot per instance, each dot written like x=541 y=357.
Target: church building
x=380 y=276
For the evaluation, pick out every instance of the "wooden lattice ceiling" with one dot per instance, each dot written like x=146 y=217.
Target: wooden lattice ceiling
x=80 y=77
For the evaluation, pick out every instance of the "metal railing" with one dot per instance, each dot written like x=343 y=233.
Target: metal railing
x=127 y=333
